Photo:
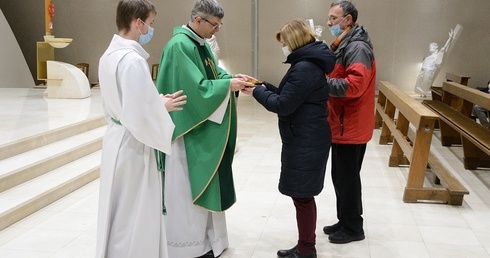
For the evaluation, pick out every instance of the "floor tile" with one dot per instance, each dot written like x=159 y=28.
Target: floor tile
x=262 y=220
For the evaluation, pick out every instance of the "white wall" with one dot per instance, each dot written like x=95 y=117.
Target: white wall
x=401 y=32
x=14 y=72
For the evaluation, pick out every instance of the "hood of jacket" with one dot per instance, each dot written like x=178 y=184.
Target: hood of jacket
x=357 y=33
x=316 y=52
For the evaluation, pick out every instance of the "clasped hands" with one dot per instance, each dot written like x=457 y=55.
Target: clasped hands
x=243 y=83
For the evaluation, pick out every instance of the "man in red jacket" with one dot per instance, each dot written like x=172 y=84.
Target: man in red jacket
x=351 y=116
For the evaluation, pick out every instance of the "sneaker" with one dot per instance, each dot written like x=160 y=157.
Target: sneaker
x=332 y=228
x=341 y=237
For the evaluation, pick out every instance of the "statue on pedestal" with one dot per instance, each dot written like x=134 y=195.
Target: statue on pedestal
x=432 y=63
x=428 y=71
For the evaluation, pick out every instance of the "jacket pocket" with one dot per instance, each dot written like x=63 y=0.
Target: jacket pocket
x=286 y=129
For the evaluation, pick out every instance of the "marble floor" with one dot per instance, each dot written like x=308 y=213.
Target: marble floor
x=262 y=220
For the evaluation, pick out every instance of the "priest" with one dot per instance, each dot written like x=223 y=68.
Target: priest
x=198 y=175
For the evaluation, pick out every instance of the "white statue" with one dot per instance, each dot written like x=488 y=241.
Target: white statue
x=432 y=64
x=428 y=71
x=213 y=44
x=316 y=29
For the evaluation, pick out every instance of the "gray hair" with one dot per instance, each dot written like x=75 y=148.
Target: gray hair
x=207 y=9
x=348 y=7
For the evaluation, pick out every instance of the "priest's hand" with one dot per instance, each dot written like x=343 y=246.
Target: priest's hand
x=174 y=101
x=244 y=77
x=237 y=84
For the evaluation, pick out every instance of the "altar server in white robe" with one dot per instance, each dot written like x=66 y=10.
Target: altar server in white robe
x=130 y=219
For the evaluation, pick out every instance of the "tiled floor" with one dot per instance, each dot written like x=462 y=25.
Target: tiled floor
x=262 y=220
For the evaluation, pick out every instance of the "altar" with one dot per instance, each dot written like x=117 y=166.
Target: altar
x=63 y=80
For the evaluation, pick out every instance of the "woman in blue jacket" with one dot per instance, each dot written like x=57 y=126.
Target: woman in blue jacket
x=300 y=102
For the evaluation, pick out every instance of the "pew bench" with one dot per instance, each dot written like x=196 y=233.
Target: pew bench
x=436 y=91
x=409 y=125
x=457 y=126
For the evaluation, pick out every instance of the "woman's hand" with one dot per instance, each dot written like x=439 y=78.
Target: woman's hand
x=174 y=101
x=248 y=90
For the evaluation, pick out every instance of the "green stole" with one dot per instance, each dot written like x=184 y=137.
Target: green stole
x=209 y=146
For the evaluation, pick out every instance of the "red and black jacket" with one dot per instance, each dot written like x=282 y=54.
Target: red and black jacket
x=352 y=86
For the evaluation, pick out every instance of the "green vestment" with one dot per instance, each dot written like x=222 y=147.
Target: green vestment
x=187 y=65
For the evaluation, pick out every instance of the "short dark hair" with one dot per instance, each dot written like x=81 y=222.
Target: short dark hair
x=348 y=7
x=207 y=9
x=129 y=10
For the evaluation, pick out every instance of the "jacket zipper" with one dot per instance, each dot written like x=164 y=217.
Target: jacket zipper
x=341 y=120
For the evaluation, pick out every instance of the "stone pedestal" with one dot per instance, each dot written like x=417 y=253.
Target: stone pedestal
x=66 y=81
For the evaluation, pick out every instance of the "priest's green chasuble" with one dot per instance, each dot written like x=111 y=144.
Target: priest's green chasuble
x=190 y=66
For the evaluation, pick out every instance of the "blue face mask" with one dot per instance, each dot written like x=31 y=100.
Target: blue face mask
x=336 y=30
x=145 y=38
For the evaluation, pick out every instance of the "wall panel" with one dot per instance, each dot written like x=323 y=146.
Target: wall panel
x=14 y=72
x=401 y=32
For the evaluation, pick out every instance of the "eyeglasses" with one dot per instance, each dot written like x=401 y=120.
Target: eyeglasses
x=215 y=26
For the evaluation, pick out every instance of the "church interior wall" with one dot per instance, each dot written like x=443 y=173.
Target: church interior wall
x=401 y=32
x=14 y=71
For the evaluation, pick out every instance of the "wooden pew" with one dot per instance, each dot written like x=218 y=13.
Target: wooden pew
x=436 y=91
x=413 y=148
x=456 y=122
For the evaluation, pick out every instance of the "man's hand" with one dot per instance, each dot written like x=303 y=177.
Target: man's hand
x=244 y=77
x=174 y=101
x=237 y=84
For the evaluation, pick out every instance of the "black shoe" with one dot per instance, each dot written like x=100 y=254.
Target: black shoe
x=332 y=228
x=341 y=237
x=285 y=253
x=209 y=254
x=297 y=254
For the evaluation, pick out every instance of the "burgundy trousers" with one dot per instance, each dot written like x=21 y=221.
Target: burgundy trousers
x=306 y=220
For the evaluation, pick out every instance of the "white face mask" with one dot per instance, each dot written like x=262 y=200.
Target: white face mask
x=286 y=51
